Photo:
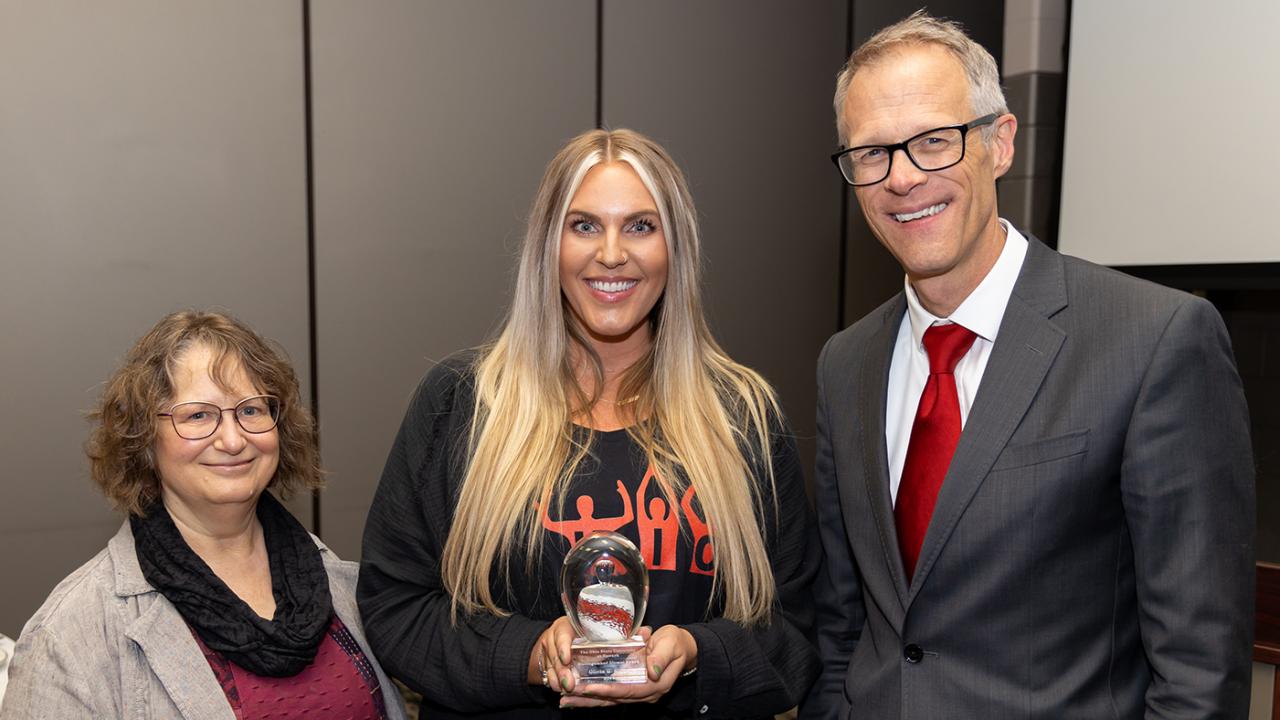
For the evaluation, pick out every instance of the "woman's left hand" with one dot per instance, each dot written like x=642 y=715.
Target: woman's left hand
x=671 y=651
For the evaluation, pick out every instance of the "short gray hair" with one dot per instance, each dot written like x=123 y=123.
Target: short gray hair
x=985 y=94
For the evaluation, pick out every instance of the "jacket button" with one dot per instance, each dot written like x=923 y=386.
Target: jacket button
x=913 y=653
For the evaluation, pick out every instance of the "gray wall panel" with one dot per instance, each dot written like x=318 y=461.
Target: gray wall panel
x=433 y=123
x=150 y=159
x=739 y=94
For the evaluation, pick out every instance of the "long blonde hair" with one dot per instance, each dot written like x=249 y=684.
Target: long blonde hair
x=702 y=419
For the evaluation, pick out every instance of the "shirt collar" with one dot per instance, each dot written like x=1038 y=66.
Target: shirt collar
x=983 y=310
x=129 y=580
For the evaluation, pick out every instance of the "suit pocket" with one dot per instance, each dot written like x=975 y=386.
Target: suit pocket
x=1043 y=450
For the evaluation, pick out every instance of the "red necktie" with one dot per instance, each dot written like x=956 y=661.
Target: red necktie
x=933 y=440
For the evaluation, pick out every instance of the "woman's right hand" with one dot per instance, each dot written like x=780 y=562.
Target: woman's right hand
x=672 y=651
x=553 y=648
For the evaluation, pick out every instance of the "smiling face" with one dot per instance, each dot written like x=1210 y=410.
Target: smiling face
x=613 y=257
x=942 y=226
x=230 y=467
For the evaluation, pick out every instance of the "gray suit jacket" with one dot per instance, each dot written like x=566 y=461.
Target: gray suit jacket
x=1091 y=552
x=107 y=645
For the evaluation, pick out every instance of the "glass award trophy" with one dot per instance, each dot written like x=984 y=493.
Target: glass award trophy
x=605 y=586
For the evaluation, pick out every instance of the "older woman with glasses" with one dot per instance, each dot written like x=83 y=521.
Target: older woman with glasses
x=211 y=601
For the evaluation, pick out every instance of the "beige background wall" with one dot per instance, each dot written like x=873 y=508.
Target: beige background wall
x=1263 y=692
x=746 y=113
x=433 y=123
x=151 y=159
x=153 y=156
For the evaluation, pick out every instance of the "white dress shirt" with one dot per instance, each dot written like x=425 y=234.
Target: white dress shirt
x=981 y=312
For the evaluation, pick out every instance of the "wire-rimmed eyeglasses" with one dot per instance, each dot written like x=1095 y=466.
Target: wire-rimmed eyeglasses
x=936 y=149
x=198 y=420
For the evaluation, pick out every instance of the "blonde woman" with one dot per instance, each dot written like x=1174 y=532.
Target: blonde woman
x=604 y=404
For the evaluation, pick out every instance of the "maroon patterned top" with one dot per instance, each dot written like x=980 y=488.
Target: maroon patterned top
x=338 y=684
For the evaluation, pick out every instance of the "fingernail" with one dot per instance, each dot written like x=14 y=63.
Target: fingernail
x=563 y=660
x=657 y=669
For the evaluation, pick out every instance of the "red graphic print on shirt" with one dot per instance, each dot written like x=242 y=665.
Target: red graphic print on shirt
x=703 y=554
x=659 y=528
x=657 y=521
x=587 y=523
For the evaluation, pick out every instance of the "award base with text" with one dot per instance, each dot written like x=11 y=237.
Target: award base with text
x=621 y=661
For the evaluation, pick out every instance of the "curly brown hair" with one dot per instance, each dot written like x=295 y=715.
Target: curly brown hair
x=121 y=460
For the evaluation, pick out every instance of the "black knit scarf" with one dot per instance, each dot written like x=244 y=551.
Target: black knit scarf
x=280 y=647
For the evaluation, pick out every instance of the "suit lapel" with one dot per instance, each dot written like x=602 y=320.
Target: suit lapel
x=1024 y=351
x=165 y=640
x=870 y=406
x=178 y=663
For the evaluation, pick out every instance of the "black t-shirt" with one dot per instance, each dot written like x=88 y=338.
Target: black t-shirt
x=477 y=667
x=614 y=489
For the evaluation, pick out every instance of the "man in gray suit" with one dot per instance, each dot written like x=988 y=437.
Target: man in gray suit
x=1034 y=477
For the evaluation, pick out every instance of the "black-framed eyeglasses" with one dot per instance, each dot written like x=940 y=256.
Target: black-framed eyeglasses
x=199 y=420
x=936 y=149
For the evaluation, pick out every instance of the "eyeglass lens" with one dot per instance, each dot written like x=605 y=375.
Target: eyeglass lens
x=934 y=150
x=199 y=420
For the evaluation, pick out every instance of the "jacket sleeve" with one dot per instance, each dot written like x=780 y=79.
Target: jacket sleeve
x=767 y=669
x=1187 y=483
x=48 y=680
x=481 y=663
x=840 y=614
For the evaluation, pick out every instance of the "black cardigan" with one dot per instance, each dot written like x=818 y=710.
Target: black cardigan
x=478 y=668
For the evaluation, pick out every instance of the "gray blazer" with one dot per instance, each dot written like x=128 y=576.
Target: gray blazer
x=1091 y=552
x=107 y=645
